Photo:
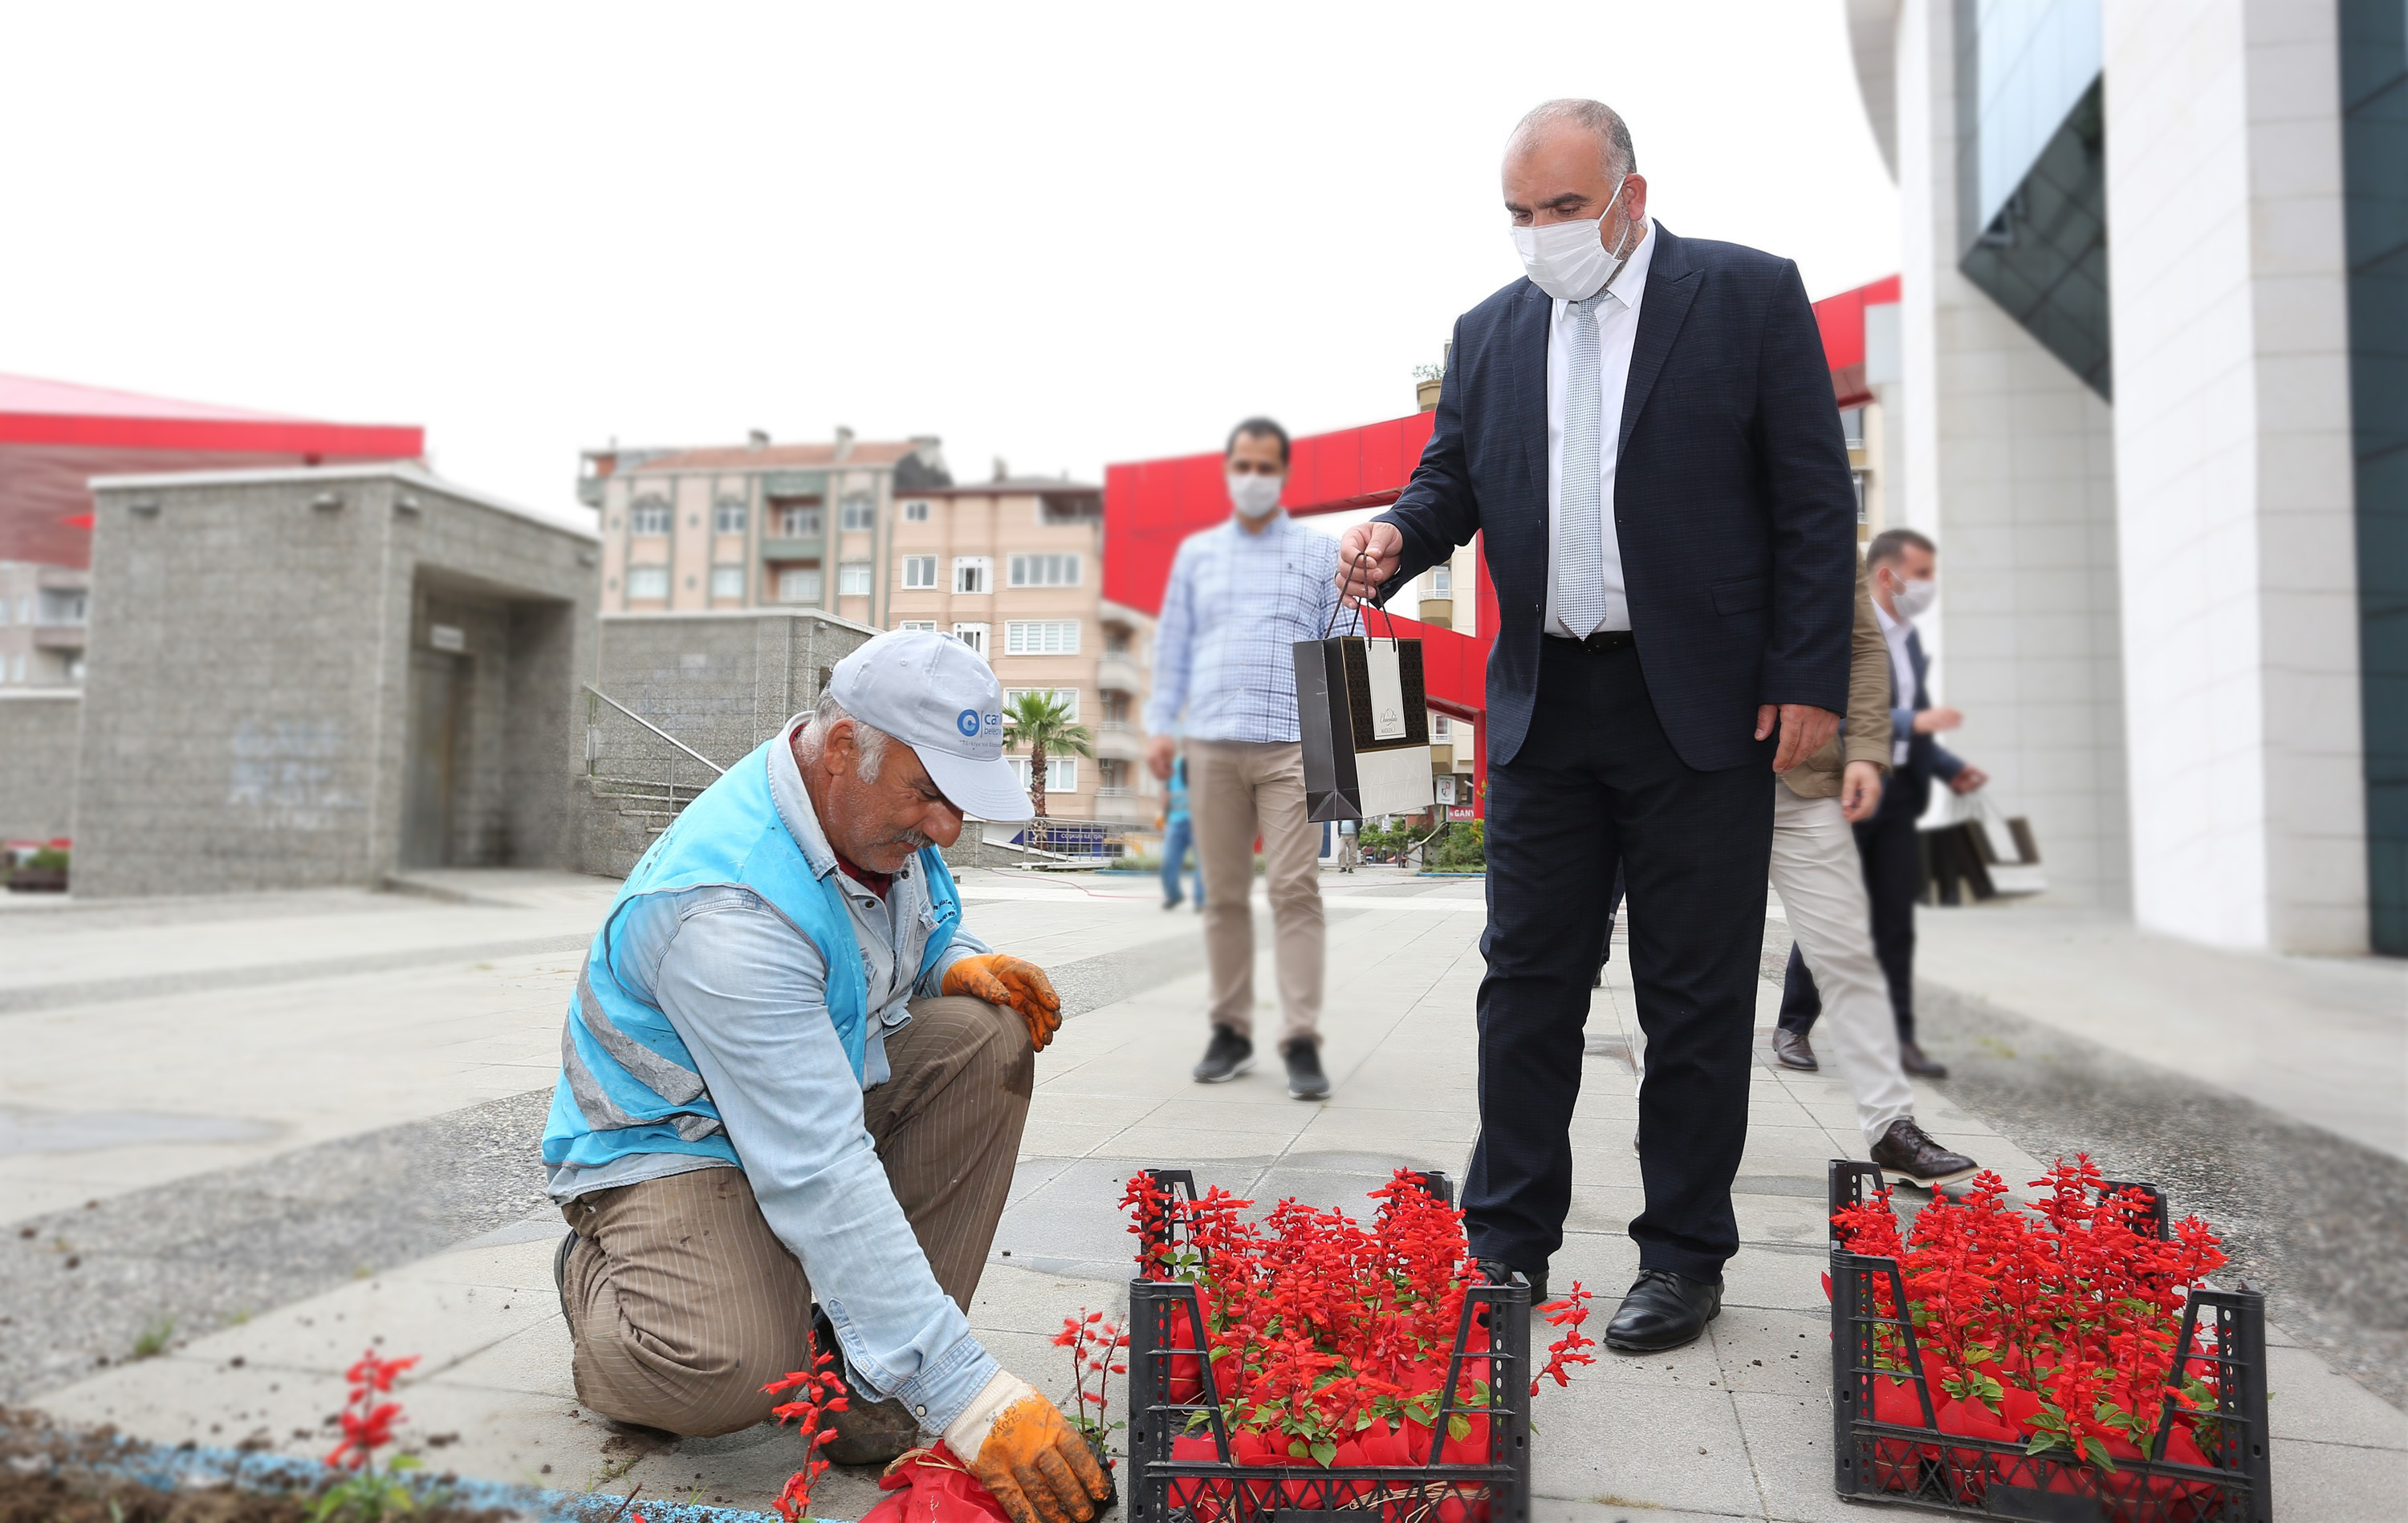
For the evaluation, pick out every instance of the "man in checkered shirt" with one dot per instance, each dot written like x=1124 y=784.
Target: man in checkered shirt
x=1241 y=596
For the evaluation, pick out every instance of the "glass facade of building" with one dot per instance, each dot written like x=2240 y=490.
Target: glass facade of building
x=2031 y=170
x=2374 y=177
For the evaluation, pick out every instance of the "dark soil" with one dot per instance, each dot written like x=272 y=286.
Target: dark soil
x=50 y=1476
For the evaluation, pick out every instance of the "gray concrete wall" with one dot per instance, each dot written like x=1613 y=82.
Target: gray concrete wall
x=37 y=764
x=247 y=680
x=719 y=682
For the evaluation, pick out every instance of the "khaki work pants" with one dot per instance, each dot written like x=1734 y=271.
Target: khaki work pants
x=682 y=1303
x=1237 y=789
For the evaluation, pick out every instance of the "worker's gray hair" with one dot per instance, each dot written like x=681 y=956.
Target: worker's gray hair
x=867 y=737
x=1594 y=117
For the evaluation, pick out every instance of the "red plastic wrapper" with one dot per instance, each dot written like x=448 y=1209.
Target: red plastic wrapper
x=930 y=1486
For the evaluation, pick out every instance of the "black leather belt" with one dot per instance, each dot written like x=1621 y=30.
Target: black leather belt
x=1600 y=640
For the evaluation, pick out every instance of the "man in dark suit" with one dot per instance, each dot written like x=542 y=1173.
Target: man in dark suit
x=1901 y=564
x=1644 y=431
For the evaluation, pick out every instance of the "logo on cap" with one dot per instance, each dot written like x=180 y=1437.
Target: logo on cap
x=967 y=722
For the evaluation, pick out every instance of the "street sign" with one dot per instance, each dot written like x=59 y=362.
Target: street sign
x=1458 y=811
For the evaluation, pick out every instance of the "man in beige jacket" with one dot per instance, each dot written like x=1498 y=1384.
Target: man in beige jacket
x=1822 y=888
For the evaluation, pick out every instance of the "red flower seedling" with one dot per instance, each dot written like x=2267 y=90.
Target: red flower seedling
x=367 y=1423
x=818 y=1393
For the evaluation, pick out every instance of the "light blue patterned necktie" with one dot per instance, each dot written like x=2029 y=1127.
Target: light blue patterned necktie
x=1580 y=560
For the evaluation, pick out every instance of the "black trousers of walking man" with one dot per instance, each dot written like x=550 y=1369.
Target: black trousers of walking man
x=1886 y=843
x=1597 y=786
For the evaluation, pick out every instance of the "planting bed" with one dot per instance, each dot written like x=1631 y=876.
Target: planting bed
x=1913 y=1426
x=1466 y=1458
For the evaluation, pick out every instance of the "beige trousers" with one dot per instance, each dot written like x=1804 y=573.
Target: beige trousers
x=1821 y=882
x=1238 y=790
x=682 y=1303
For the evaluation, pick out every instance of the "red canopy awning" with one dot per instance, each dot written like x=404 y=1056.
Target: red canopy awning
x=55 y=436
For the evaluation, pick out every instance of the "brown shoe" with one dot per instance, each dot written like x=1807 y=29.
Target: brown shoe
x=1904 y=1153
x=1918 y=1062
x=1791 y=1050
x=867 y=1432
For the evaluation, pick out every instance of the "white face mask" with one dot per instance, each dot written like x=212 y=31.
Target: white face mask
x=1912 y=599
x=1253 y=496
x=1568 y=261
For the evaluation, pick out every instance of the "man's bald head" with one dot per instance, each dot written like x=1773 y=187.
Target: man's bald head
x=1595 y=118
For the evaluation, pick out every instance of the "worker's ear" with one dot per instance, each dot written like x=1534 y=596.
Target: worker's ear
x=840 y=748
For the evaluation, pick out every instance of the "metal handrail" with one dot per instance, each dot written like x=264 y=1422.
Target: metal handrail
x=716 y=769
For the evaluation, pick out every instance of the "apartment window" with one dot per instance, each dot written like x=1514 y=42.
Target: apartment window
x=1067 y=697
x=973 y=574
x=1061 y=772
x=1042 y=637
x=1044 y=571
x=919 y=572
x=1442 y=729
x=972 y=635
x=648 y=517
x=1441 y=581
x=1852 y=426
x=728 y=516
x=927 y=626
x=726 y=582
x=799 y=584
x=860 y=512
x=1116 y=640
x=799 y=522
x=1111 y=777
x=915 y=512
x=62 y=605
x=852 y=580
x=647 y=584
x=1858 y=477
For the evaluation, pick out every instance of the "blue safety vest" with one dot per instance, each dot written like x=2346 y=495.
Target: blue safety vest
x=627 y=1084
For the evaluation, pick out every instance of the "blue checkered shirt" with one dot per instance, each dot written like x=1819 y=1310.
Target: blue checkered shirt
x=1224 y=648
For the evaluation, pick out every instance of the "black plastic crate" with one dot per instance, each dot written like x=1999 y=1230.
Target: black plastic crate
x=1162 y=1490
x=1922 y=1467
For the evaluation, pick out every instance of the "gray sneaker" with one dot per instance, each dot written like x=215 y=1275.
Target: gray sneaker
x=1227 y=1056
x=1305 y=1079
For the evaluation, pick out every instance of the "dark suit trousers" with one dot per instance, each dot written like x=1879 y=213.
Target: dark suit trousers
x=1887 y=846
x=1595 y=786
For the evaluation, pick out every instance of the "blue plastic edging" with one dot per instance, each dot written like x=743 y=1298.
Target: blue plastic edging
x=170 y=1469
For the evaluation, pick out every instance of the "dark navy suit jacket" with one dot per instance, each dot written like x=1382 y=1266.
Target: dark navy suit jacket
x=1732 y=503
x=1910 y=790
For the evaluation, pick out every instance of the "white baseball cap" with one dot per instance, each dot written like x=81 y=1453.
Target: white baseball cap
x=938 y=696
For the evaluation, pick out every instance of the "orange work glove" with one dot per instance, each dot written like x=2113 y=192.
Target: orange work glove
x=1009 y=981
x=1027 y=1454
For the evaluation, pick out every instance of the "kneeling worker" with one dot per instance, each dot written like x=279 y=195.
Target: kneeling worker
x=790 y=1076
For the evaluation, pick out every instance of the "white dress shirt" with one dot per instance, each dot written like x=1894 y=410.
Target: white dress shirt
x=1617 y=321
x=1901 y=671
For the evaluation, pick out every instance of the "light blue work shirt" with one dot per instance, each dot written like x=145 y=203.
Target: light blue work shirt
x=747 y=993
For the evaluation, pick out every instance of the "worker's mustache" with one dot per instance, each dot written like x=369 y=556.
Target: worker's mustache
x=909 y=840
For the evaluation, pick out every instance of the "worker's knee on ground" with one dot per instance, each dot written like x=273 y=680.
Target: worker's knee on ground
x=707 y=1396
x=993 y=1040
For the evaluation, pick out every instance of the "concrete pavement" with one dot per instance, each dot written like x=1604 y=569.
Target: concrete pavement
x=263 y=1070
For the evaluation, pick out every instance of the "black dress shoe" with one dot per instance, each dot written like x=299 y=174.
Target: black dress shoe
x=1791 y=1050
x=1495 y=1271
x=1225 y=1057
x=1905 y=1153
x=1918 y=1062
x=1662 y=1311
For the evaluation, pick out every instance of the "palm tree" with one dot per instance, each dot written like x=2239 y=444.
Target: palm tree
x=1041 y=720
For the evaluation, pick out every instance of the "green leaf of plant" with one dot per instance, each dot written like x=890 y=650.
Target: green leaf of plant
x=1325 y=1453
x=1458 y=1426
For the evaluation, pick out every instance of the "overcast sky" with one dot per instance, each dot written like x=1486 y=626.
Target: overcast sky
x=1063 y=235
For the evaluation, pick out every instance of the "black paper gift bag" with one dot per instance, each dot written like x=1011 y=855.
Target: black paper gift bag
x=1364 y=721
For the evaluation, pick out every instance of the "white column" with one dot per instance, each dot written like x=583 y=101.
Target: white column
x=2228 y=286
x=2010 y=469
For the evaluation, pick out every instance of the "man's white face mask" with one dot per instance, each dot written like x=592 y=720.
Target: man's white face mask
x=1253 y=496
x=1568 y=261
x=1913 y=597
